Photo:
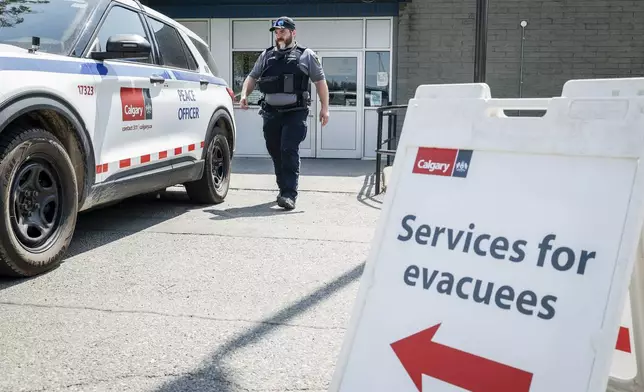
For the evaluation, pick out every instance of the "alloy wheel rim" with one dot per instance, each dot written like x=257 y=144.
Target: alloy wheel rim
x=36 y=196
x=219 y=168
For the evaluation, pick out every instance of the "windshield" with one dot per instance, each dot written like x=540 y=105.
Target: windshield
x=56 y=22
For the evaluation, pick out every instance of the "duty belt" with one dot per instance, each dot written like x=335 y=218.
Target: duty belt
x=280 y=109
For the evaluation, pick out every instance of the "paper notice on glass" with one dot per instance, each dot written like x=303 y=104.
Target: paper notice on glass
x=382 y=79
x=376 y=98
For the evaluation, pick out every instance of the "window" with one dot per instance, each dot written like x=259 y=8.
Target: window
x=376 y=79
x=120 y=21
x=57 y=23
x=174 y=51
x=342 y=78
x=243 y=63
x=207 y=56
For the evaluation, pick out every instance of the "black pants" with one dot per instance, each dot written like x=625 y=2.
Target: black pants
x=283 y=133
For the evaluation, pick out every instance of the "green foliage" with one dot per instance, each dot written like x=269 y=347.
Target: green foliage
x=12 y=11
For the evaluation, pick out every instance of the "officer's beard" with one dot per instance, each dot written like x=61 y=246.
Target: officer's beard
x=284 y=42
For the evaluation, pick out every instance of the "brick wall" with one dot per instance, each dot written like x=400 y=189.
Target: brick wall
x=565 y=39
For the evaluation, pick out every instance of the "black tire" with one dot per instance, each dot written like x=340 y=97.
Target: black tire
x=213 y=185
x=24 y=152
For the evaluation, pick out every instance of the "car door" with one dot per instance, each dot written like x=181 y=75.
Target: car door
x=187 y=120
x=133 y=99
x=216 y=92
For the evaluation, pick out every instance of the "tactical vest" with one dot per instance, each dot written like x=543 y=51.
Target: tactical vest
x=282 y=74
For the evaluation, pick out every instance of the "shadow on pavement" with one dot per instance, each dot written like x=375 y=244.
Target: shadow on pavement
x=366 y=195
x=128 y=217
x=215 y=376
x=6 y=283
x=309 y=167
x=119 y=221
x=264 y=209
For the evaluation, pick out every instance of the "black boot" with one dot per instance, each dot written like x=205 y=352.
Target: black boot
x=286 y=202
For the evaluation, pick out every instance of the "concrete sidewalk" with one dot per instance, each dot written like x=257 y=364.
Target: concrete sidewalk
x=158 y=294
x=316 y=175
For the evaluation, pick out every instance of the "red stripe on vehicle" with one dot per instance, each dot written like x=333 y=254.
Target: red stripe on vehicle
x=103 y=168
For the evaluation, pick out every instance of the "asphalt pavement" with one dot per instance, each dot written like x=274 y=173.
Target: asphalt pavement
x=158 y=294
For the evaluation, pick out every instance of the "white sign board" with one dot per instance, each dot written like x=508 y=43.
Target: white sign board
x=505 y=247
x=624 y=364
x=626 y=371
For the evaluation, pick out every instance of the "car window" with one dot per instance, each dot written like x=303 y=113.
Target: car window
x=120 y=20
x=192 y=62
x=172 y=48
x=207 y=56
x=56 y=22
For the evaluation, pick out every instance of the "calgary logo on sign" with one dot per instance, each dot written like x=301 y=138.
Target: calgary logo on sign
x=136 y=104
x=442 y=162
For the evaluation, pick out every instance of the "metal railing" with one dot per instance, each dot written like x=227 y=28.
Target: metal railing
x=391 y=111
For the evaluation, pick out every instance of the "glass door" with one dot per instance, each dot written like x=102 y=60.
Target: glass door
x=342 y=136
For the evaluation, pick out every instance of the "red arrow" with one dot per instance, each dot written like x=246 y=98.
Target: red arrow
x=623 y=340
x=420 y=355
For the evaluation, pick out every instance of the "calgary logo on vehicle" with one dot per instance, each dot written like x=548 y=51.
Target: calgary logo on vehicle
x=442 y=162
x=136 y=104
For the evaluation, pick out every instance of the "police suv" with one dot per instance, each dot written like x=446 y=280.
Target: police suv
x=101 y=100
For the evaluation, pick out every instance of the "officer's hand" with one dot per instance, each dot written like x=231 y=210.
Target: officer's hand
x=324 y=116
x=243 y=103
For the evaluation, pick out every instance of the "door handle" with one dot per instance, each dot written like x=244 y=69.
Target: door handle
x=157 y=79
x=203 y=82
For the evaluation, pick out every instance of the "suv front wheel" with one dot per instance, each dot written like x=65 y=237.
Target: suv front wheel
x=212 y=187
x=39 y=201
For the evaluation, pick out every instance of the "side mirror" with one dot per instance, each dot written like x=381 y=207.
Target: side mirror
x=124 y=46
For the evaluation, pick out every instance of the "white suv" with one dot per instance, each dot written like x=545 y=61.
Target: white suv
x=101 y=100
